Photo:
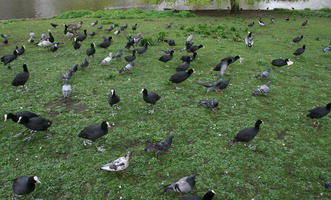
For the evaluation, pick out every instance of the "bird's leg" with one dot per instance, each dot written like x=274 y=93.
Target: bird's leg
x=123 y=172
x=19 y=134
x=29 y=137
x=157 y=154
x=316 y=122
x=117 y=107
x=151 y=111
x=101 y=148
x=219 y=91
x=87 y=142
x=215 y=110
x=9 y=67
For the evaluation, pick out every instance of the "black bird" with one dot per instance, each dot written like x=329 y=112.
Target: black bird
x=150 y=97
x=113 y=98
x=184 y=58
x=179 y=77
x=99 y=27
x=208 y=196
x=85 y=64
x=168 y=25
x=24 y=185
x=54 y=47
x=20 y=51
x=35 y=123
x=106 y=42
x=305 y=23
x=319 y=112
x=170 y=42
x=94 y=132
x=110 y=28
x=7 y=59
x=132 y=57
x=279 y=62
x=251 y=24
x=298 y=39
x=300 y=51
x=82 y=37
x=22 y=77
x=122 y=28
x=91 y=51
x=5 y=38
x=50 y=38
x=212 y=104
x=142 y=49
x=130 y=43
x=92 y=34
x=195 y=48
x=184 y=66
x=168 y=51
x=287 y=19
x=54 y=25
x=166 y=58
x=15 y=117
x=248 y=134
x=163 y=145
x=76 y=44
x=134 y=27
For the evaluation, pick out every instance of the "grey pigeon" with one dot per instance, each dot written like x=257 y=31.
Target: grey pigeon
x=249 y=41
x=95 y=23
x=327 y=48
x=163 y=145
x=264 y=89
x=127 y=68
x=85 y=64
x=69 y=72
x=119 y=54
x=66 y=89
x=216 y=86
x=43 y=36
x=32 y=35
x=183 y=185
x=212 y=104
x=264 y=74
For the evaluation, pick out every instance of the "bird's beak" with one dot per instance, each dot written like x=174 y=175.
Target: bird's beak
x=37 y=180
x=19 y=119
x=5 y=117
x=108 y=125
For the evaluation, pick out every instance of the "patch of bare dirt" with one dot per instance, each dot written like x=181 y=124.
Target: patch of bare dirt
x=67 y=104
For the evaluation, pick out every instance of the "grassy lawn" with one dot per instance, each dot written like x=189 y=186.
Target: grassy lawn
x=292 y=158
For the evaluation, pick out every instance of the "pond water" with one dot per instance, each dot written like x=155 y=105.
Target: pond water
x=14 y=9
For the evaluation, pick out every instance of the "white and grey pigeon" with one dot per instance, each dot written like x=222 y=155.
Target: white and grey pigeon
x=44 y=42
x=119 y=164
x=327 y=48
x=119 y=54
x=264 y=74
x=117 y=32
x=127 y=68
x=183 y=185
x=66 y=89
x=70 y=72
x=264 y=89
x=95 y=23
x=189 y=38
x=32 y=35
x=249 y=41
x=107 y=60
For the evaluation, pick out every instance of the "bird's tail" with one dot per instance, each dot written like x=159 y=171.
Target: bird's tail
x=206 y=84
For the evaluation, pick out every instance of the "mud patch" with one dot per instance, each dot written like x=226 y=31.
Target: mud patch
x=282 y=135
x=66 y=104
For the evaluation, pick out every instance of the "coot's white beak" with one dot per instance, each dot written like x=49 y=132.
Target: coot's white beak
x=36 y=179
x=5 y=117
x=141 y=90
x=19 y=119
x=108 y=125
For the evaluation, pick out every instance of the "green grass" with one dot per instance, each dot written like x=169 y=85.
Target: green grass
x=295 y=167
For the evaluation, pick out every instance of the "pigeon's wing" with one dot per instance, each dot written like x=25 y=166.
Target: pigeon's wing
x=206 y=84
